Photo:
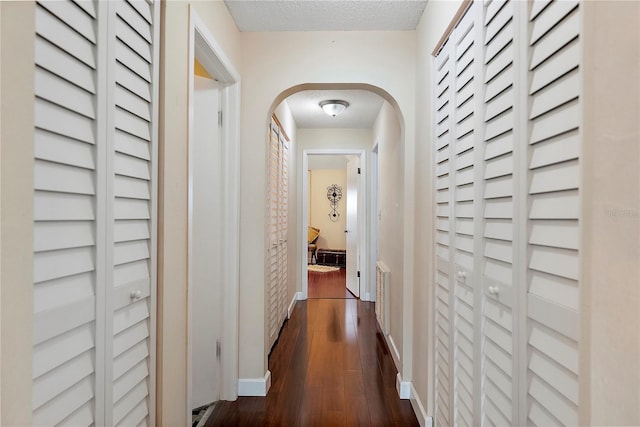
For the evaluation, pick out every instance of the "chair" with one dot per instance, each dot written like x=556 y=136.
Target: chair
x=312 y=236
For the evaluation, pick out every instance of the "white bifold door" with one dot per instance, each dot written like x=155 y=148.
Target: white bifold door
x=95 y=212
x=277 y=223
x=507 y=197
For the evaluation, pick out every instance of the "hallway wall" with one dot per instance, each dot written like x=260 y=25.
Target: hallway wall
x=173 y=194
x=272 y=64
x=387 y=134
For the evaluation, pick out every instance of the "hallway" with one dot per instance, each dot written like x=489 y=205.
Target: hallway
x=330 y=367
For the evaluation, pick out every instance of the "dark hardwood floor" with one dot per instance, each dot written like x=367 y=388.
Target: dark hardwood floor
x=330 y=367
x=332 y=284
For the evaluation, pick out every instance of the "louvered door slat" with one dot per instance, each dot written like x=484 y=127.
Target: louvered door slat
x=64 y=214
x=553 y=238
x=76 y=146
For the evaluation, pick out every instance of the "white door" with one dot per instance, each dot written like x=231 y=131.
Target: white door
x=204 y=251
x=353 y=256
x=95 y=213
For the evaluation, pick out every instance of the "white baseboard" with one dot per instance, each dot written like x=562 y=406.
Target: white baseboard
x=254 y=386
x=395 y=354
x=403 y=387
x=297 y=296
x=366 y=297
x=418 y=408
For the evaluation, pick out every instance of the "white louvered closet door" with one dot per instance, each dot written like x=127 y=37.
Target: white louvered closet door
x=94 y=213
x=552 y=294
x=443 y=320
x=277 y=222
x=465 y=136
x=499 y=320
x=507 y=342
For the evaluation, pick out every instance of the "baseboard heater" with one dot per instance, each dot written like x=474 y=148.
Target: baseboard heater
x=382 y=296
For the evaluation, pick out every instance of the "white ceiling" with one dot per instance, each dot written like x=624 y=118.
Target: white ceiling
x=326 y=15
x=363 y=109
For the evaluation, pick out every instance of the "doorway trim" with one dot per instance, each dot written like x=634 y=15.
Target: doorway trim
x=203 y=46
x=363 y=218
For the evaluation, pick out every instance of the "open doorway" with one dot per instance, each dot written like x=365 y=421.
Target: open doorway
x=332 y=218
x=332 y=192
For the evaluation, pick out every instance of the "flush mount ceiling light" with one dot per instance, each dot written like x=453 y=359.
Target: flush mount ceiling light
x=334 y=107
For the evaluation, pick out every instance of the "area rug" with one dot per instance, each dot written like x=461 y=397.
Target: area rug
x=322 y=268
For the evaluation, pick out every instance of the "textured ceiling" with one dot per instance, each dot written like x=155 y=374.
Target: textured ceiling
x=364 y=107
x=326 y=15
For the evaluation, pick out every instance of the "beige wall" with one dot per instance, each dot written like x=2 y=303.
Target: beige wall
x=272 y=64
x=332 y=233
x=16 y=235
x=436 y=17
x=172 y=252
x=387 y=134
x=611 y=214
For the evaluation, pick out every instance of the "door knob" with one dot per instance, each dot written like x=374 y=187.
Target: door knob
x=493 y=290
x=136 y=295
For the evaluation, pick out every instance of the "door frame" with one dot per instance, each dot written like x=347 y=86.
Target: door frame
x=203 y=46
x=363 y=218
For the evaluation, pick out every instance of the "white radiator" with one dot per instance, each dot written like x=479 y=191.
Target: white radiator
x=382 y=296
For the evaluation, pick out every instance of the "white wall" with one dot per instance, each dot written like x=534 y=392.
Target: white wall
x=386 y=132
x=332 y=233
x=436 y=17
x=611 y=214
x=16 y=236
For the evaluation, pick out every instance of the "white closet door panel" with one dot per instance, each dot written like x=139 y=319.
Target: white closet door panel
x=56 y=177
x=499 y=166
x=51 y=265
x=63 y=93
x=55 y=293
x=143 y=8
x=496 y=45
x=130 y=358
x=559 y=262
x=498 y=187
x=124 y=407
x=555 y=150
x=538 y=6
x=499 y=124
x=55 y=60
x=53 y=118
x=131 y=16
x=135 y=41
x=125 y=231
x=130 y=272
x=563 y=234
x=555 y=177
x=73 y=16
x=48 y=386
x=71 y=234
x=464 y=177
x=130 y=251
x=132 y=124
x=132 y=103
x=49 y=206
x=566 y=60
x=561 y=205
x=550 y=17
x=462 y=145
x=498 y=208
x=130 y=337
x=51 y=354
x=65 y=404
x=64 y=36
x=498 y=146
x=497 y=16
x=128 y=144
x=501 y=62
x=554 y=288
x=128 y=316
x=124 y=383
x=556 y=39
x=60 y=149
x=499 y=84
x=131 y=209
x=122 y=293
x=54 y=322
x=134 y=75
x=129 y=58
x=498 y=105
x=131 y=188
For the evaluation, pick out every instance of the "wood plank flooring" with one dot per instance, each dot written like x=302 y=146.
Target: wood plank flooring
x=332 y=284
x=330 y=367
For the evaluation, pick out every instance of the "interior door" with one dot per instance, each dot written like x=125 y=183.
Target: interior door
x=353 y=254
x=205 y=251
